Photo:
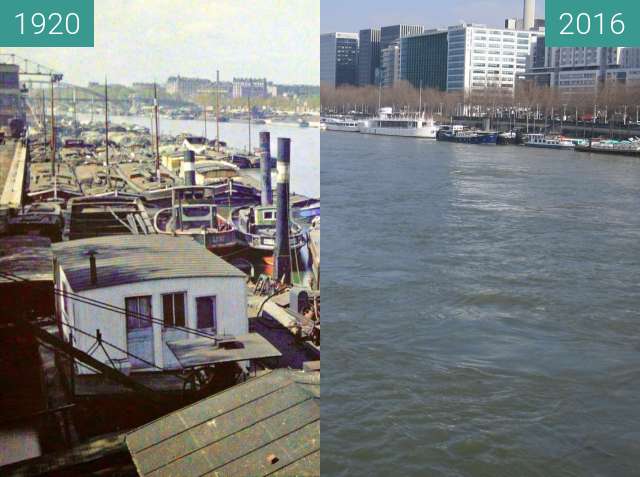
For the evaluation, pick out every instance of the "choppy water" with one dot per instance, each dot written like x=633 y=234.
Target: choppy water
x=482 y=310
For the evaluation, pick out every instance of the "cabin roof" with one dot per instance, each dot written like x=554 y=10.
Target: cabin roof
x=122 y=259
x=269 y=425
x=26 y=256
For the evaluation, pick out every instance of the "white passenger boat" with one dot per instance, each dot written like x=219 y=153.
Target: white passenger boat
x=339 y=124
x=389 y=123
x=549 y=142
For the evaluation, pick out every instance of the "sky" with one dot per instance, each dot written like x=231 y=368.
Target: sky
x=353 y=15
x=150 y=40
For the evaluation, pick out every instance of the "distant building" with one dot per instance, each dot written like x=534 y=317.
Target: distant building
x=423 y=59
x=10 y=97
x=298 y=90
x=142 y=85
x=250 y=87
x=368 y=56
x=188 y=87
x=390 y=64
x=392 y=33
x=480 y=57
x=585 y=68
x=338 y=59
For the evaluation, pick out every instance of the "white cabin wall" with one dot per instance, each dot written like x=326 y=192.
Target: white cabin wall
x=231 y=300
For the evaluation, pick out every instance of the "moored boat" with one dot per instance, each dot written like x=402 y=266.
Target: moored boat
x=388 y=123
x=257 y=227
x=462 y=136
x=548 y=142
x=193 y=213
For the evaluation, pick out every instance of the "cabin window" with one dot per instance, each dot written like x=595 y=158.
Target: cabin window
x=138 y=312
x=207 y=313
x=173 y=309
x=269 y=215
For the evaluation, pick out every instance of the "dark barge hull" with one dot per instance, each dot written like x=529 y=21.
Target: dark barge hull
x=612 y=152
x=480 y=139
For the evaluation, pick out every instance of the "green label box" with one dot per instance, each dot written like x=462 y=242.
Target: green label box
x=592 y=23
x=47 y=23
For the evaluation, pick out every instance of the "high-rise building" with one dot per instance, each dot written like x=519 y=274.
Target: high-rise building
x=338 y=58
x=10 y=96
x=368 y=56
x=423 y=59
x=479 y=57
x=389 y=34
x=390 y=64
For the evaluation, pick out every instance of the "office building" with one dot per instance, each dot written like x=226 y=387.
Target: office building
x=338 y=59
x=368 y=56
x=423 y=59
x=390 y=64
x=389 y=34
x=585 y=68
x=479 y=57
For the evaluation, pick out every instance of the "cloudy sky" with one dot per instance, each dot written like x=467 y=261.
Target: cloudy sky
x=353 y=15
x=147 y=40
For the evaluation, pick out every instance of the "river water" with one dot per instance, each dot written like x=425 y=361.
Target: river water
x=482 y=311
x=305 y=143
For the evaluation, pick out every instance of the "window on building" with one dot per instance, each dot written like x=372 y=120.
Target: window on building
x=173 y=309
x=207 y=313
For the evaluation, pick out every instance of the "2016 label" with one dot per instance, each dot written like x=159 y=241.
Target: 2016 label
x=582 y=23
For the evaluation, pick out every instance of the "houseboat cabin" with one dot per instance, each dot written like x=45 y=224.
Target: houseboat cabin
x=156 y=289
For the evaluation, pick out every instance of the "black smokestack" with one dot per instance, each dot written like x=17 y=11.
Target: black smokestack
x=189 y=168
x=266 y=194
x=282 y=260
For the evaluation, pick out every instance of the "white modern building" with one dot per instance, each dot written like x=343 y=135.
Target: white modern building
x=164 y=286
x=480 y=57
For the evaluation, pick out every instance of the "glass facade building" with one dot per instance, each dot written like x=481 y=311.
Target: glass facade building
x=423 y=59
x=368 y=56
x=338 y=59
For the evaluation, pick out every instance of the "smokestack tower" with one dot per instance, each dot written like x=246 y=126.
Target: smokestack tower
x=189 y=168
x=282 y=252
x=529 y=14
x=266 y=194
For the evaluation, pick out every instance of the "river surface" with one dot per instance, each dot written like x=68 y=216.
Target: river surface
x=482 y=310
x=305 y=143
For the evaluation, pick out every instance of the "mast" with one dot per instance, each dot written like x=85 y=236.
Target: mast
x=218 y=110
x=420 y=110
x=44 y=119
x=53 y=135
x=92 y=98
x=249 y=106
x=106 y=130
x=75 y=110
x=205 y=119
x=157 y=136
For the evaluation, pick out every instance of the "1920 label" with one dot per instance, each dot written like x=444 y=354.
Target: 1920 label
x=43 y=23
